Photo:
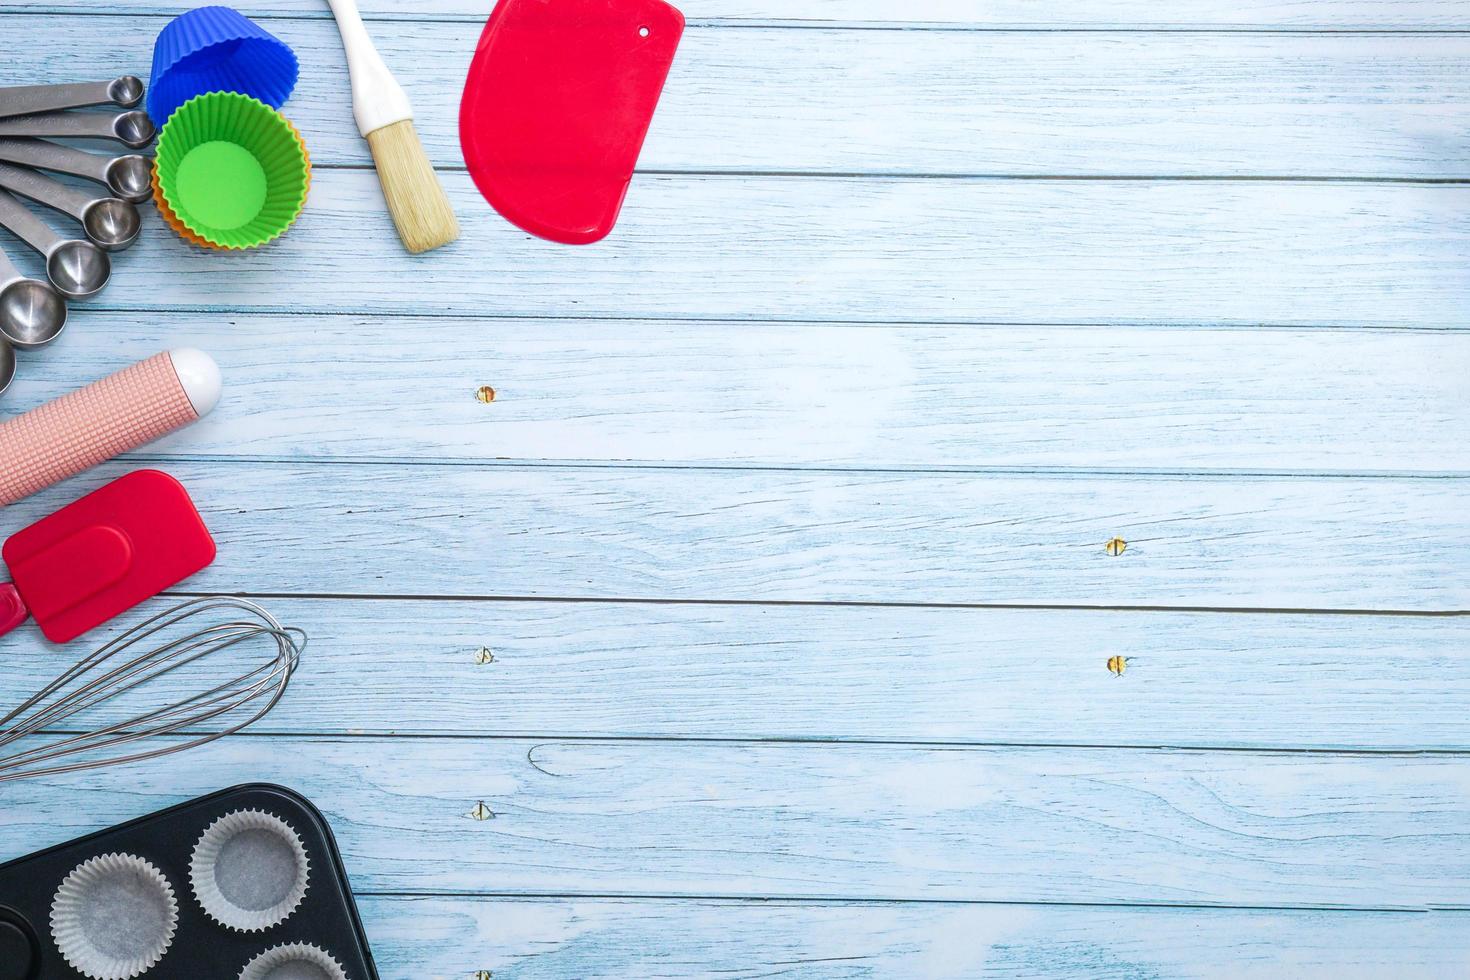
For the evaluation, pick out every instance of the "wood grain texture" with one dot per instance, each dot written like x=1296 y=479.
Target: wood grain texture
x=824 y=536
x=651 y=670
x=1307 y=15
x=837 y=374
x=869 y=250
x=752 y=820
x=925 y=102
x=552 y=939
x=829 y=395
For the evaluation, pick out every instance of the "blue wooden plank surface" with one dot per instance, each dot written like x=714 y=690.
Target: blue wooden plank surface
x=1253 y=15
x=813 y=395
x=620 y=938
x=694 y=534
x=795 y=819
x=873 y=354
x=868 y=249
x=891 y=674
x=946 y=102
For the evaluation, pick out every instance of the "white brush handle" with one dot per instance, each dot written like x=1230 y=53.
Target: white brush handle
x=377 y=98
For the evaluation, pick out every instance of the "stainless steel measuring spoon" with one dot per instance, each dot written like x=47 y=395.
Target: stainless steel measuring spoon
x=76 y=268
x=126 y=176
x=132 y=128
x=32 y=313
x=111 y=222
x=22 y=100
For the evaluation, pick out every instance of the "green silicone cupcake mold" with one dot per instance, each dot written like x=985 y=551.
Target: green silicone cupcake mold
x=232 y=170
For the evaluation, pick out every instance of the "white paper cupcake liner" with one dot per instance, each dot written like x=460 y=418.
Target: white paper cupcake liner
x=297 y=961
x=249 y=871
x=114 y=917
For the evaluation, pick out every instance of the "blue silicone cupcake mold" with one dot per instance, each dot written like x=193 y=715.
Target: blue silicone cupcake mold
x=217 y=49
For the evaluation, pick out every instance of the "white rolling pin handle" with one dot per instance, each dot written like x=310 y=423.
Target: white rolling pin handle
x=105 y=419
x=200 y=378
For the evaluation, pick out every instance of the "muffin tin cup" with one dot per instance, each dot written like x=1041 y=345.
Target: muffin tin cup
x=249 y=871
x=114 y=917
x=217 y=49
x=299 y=961
x=122 y=903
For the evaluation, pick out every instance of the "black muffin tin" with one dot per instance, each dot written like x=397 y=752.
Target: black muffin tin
x=202 y=948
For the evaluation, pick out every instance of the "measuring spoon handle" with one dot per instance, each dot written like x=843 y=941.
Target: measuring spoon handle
x=8 y=271
x=71 y=125
x=54 y=156
x=29 y=228
x=39 y=187
x=22 y=100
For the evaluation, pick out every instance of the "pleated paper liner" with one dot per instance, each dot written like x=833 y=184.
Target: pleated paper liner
x=230 y=172
x=114 y=917
x=249 y=870
x=295 y=960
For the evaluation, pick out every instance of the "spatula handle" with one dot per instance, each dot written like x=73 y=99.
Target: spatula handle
x=13 y=609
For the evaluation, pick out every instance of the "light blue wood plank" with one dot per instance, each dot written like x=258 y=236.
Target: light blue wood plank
x=741 y=819
x=1308 y=15
x=916 y=102
x=1233 y=253
x=744 y=819
x=444 y=938
x=763 y=394
x=760 y=535
x=651 y=670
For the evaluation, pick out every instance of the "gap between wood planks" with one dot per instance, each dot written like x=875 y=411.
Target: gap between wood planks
x=840 y=603
x=1204 y=473
x=803 y=24
x=977 y=176
x=543 y=739
x=795 y=321
x=899 y=902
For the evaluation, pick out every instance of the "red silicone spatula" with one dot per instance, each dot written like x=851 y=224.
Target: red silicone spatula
x=102 y=555
x=558 y=100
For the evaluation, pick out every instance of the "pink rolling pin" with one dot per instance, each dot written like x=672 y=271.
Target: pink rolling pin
x=105 y=419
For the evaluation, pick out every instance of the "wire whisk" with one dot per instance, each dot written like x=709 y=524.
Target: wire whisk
x=152 y=689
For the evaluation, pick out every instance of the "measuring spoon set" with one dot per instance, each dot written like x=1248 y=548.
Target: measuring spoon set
x=33 y=311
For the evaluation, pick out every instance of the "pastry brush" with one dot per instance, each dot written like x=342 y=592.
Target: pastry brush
x=417 y=202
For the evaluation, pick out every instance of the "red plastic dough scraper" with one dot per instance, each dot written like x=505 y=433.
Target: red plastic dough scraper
x=102 y=555
x=558 y=100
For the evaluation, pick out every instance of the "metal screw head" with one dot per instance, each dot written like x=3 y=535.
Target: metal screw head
x=1116 y=665
x=485 y=394
x=1115 y=547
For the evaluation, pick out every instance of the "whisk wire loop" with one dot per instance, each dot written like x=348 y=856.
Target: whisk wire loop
x=97 y=680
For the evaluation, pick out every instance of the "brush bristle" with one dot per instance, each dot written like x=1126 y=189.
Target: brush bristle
x=417 y=202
